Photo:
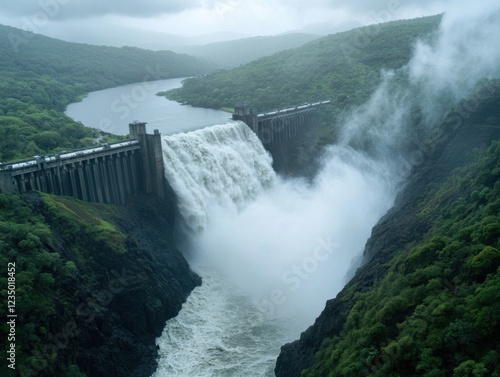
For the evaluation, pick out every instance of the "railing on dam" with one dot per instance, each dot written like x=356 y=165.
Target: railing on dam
x=278 y=126
x=109 y=173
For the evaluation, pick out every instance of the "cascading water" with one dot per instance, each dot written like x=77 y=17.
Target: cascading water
x=270 y=251
x=224 y=165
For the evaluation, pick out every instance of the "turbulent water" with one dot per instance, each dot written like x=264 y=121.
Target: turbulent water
x=219 y=332
x=270 y=251
x=223 y=165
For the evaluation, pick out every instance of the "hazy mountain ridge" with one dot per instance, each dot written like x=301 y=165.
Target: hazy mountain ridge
x=119 y=36
x=233 y=53
x=344 y=67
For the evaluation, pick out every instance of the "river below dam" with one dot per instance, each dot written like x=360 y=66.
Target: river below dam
x=270 y=250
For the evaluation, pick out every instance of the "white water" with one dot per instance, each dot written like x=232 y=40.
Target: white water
x=270 y=251
x=224 y=165
x=219 y=332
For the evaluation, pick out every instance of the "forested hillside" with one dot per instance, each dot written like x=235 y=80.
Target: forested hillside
x=344 y=67
x=436 y=311
x=40 y=76
x=94 y=284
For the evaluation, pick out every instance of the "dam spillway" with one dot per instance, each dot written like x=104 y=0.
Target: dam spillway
x=111 y=173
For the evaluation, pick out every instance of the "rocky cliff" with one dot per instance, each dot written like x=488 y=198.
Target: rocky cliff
x=154 y=282
x=109 y=280
x=474 y=123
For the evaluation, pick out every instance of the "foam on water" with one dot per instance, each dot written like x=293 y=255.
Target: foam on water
x=219 y=332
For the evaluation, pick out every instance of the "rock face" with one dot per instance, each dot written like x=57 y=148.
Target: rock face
x=154 y=281
x=120 y=302
x=474 y=123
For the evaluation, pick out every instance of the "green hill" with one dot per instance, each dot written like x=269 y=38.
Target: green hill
x=344 y=67
x=40 y=76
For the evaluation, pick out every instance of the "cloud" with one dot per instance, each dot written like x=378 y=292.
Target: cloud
x=374 y=5
x=81 y=9
x=71 y=9
x=60 y=18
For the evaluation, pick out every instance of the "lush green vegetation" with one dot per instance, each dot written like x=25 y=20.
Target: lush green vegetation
x=437 y=311
x=53 y=242
x=40 y=76
x=344 y=67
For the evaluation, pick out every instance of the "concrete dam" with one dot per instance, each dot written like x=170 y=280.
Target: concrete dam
x=111 y=173
x=105 y=174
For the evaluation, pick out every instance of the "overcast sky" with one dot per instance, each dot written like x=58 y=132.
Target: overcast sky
x=85 y=20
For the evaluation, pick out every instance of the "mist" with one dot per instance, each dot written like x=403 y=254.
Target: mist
x=291 y=245
x=285 y=243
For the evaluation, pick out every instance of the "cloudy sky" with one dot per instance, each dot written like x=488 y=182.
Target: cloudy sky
x=89 y=20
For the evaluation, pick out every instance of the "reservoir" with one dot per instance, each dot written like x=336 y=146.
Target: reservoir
x=111 y=110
